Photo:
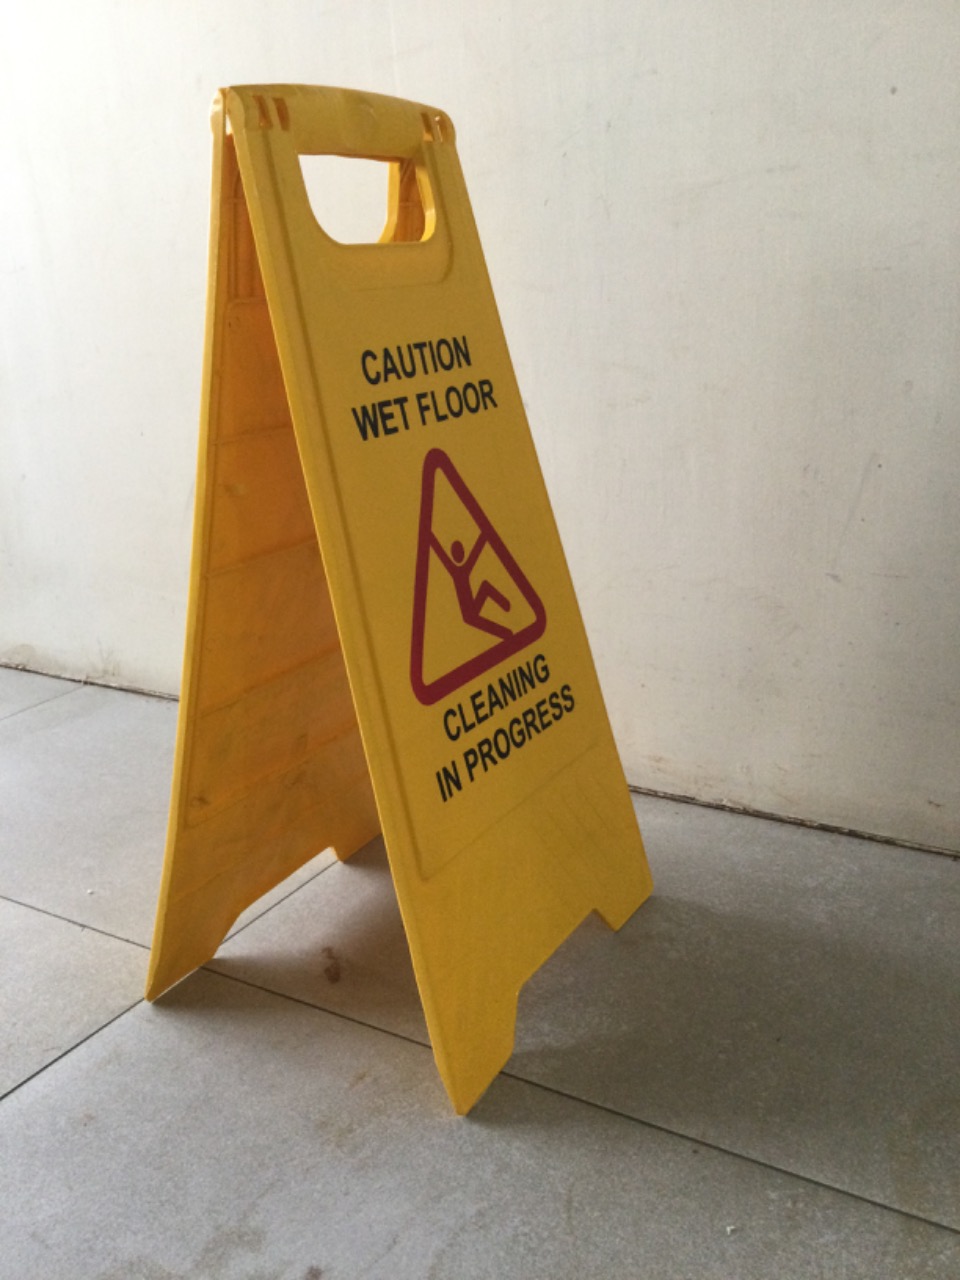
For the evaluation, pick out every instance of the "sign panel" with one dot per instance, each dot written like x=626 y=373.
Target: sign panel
x=360 y=399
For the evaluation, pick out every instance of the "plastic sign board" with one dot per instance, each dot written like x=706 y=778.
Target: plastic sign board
x=382 y=632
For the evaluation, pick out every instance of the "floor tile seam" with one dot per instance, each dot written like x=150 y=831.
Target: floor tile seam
x=146 y=946
x=317 y=1008
x=608 y=1110
x=80 y=924
x=758 y=1163
x=235 y=933
x=35 y=706
x=807 y=824
x=71 y=1049
x=666 y=1130
x=87 y=682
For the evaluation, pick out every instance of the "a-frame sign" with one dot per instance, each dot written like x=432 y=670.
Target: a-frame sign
x=382 y=632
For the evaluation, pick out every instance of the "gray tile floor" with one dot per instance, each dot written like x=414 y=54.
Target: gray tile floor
x=757 y=1077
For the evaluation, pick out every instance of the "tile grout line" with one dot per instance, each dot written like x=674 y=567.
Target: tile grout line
x=608 y=1110
x=86 y=682
x=146 y=946
x=808 y=824
x=34 y=706
x=104 y=933
x=739 y=1155
x=71 y=1049
x=602 y=1108
x=91 y=928
x=235 y=933
x=317 y=1008
x=706 y=1144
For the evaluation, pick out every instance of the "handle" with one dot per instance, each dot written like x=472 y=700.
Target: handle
x=276 y=124
x=342 y=122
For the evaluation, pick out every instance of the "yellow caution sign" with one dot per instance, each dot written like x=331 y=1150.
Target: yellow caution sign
x=378 y=592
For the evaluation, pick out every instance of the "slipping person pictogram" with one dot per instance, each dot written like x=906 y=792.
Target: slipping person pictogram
x=491 y=593
x=460 y=566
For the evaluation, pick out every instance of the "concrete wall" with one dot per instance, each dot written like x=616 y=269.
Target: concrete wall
x=723 y=238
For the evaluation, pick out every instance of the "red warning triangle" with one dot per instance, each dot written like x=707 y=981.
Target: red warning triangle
x=473 y=607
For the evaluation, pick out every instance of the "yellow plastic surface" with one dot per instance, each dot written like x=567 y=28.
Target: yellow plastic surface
x=394 y=441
